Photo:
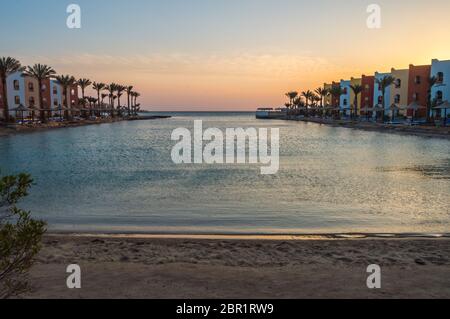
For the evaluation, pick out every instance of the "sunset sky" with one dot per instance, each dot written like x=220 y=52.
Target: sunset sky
x=223 y=54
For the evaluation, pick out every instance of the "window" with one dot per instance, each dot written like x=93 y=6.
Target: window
x=31 y=87
x=55 y=90
x=415 y=96
x=16 y=85
x=380 y=99
x=31 y=101
x=43 y=87
x=367 y=87
x=439 y=96
x=345 y=101
x=17 y=99
x=418 y=80
x=44 y=102
x=398 y=83
x=73 y=102
x=366 y=98
x=397 y=98
x=345 y=91
x=55 y=102
x=72 y=92
x=440 y=77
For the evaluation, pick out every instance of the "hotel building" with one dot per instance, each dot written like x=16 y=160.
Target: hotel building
x=367 y=83
x=328 y=98
x=378 y=93
x=344 y=101
x=399 y=90
x=418 y=88
x=441 y=70
x=335 y=100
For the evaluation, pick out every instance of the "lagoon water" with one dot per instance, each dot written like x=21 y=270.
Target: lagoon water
x=120 y=177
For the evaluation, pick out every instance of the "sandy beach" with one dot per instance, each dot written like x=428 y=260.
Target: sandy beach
x=23 y=129
x=198 y=267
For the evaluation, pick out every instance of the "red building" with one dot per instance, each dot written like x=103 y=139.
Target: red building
x=73 y=95
x=368 y=84
x=418 y=87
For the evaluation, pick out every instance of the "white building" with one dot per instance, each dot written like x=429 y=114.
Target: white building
x=441 y=70
x=344 y=101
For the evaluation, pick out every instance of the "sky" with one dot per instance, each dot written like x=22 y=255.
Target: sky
x=209 y=55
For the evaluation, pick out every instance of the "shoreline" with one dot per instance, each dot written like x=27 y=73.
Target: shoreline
x=19 y=129
x=249 y=236
x=421 y=131
x=192 y=268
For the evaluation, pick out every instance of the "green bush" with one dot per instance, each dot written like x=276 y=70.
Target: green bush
x=20 y=236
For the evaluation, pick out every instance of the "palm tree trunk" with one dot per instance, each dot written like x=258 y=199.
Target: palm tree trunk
x=5 y=100
x=41 y=102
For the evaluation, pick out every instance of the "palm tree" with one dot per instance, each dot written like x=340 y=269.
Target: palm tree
x=336 y=92
x=431 y=82
x=129 y=91
x=357 y=90
x=40 y=72
x=322 y=93
x=99 y=87
x=83 y=84
x=383 y=84
x=291 y=95
x=66 y=81
x=111 y=89
x=308 y=96
x=119 y=89
x=136 y=105
x=8 y=66
x=103 y=97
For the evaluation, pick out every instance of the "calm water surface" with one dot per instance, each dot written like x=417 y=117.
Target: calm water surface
x=120 y=177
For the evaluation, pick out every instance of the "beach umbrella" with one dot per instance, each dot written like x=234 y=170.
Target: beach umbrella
x=443 y=106
x=414 y=106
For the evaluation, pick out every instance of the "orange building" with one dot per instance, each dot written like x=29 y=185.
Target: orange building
x=418 y=87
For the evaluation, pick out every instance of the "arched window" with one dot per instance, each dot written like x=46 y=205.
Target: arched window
x=418 y=79
x=439 y=96
x=440 y=77
x=31 y=87
x=398 y=83
x=31 y=101
x=380 y=99
x=397 y=98
x=16 y=85
x=17 y=99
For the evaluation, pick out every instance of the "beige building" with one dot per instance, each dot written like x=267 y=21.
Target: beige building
x=399 y=90
x=328 y=97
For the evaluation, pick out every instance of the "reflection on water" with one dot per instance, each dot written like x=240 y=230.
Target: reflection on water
x=436 y=171
x=120 y=177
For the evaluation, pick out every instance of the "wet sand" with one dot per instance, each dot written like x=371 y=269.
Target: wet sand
x=190 y=268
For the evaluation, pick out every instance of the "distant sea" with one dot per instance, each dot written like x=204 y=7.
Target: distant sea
x=120 y=178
